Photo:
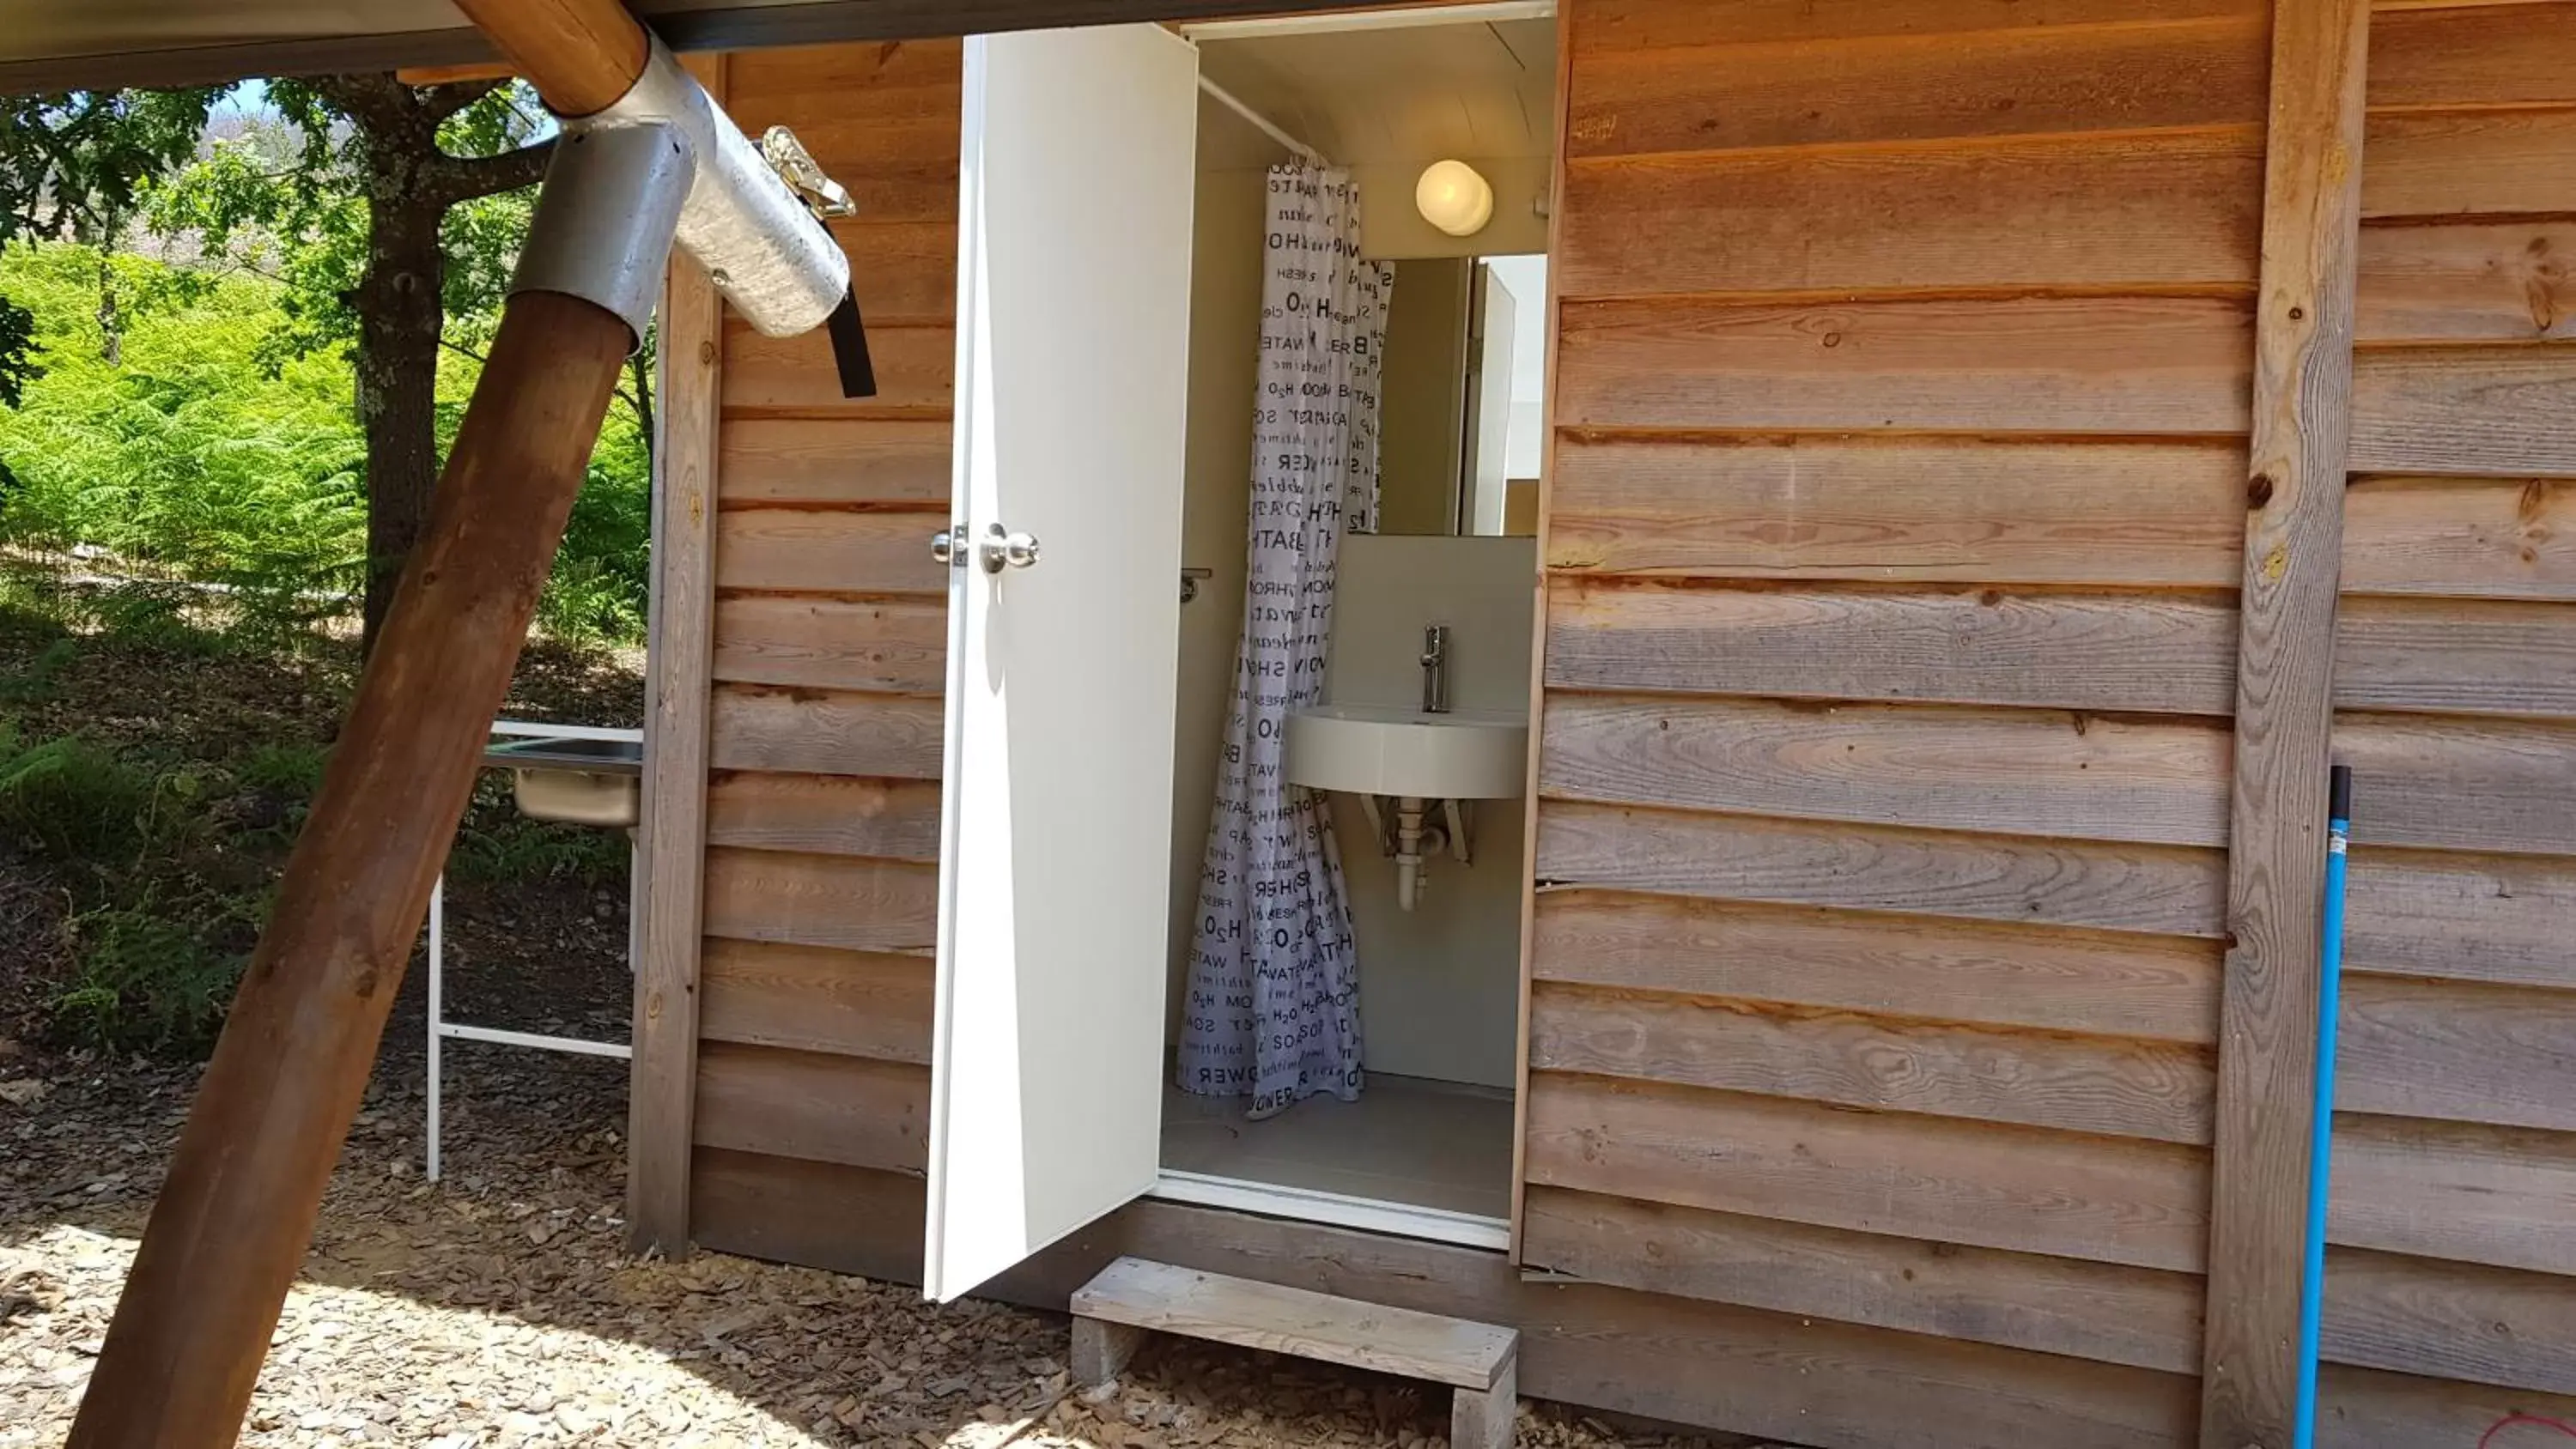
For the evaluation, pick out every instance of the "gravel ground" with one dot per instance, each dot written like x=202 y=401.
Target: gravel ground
x=496 y=1307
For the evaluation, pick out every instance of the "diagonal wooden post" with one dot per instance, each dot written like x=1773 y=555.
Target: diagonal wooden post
x=234 y=1217
x=2284 y=719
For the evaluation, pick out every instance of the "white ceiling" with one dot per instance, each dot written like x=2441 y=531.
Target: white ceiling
x=1405 y=95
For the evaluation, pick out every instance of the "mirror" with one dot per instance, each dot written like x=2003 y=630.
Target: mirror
x=1463 y=417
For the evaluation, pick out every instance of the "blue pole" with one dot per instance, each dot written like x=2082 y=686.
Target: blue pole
x=2312 y=1282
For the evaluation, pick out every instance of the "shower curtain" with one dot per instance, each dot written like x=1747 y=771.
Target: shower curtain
x=1272 y=1009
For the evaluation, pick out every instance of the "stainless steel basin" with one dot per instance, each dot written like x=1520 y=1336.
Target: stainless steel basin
x=574 y=781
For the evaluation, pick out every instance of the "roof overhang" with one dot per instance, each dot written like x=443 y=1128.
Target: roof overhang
x=54 y=45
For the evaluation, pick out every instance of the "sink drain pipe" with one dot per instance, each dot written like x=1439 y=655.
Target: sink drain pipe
x=645 y=158
x=2312 y=1278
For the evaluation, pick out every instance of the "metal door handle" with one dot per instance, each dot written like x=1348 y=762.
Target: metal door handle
x=943 y=545
x=1002 y=548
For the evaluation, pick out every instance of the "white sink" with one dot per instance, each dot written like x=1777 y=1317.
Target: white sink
x=1376 y=749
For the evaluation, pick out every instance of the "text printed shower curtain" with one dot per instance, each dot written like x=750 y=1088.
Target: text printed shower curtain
x=1272 y=1011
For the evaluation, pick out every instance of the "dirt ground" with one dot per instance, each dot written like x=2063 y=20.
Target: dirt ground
x=497 y=1308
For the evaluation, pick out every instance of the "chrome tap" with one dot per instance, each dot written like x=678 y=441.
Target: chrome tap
x=1435 y=669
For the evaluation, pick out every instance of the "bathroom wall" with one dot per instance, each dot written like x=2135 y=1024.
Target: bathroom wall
x=1225 y=347
x=1440 y=985
x=1390 y=227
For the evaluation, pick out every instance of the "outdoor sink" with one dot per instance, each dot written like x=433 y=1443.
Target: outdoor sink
x=1375 y=749
x=574 y=781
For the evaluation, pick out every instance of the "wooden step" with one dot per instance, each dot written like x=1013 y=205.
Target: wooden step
x=1133 y=1297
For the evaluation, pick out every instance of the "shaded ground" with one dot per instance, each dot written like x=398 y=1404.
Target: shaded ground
x=496 y=1307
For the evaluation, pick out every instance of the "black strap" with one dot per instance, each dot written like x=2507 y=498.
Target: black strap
x=850 y=349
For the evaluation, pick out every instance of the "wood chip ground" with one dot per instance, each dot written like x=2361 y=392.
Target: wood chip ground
x=497 y=1308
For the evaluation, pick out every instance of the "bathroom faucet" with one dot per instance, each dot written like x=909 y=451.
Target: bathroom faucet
x=1435 y=669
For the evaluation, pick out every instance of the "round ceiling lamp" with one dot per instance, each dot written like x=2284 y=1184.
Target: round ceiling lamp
x=1452 y=197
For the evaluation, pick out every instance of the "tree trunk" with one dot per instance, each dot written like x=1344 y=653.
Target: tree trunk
x=639 y=368
x=399 y=314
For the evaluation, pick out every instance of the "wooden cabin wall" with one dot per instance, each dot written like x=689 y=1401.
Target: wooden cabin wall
x=1895 y=517
x=2454 y=1210
x=830 y=648
x=1895 y=514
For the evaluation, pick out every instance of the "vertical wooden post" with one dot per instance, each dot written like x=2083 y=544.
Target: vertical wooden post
x=679 y=672
x=2284 y=718
x=237 y=1210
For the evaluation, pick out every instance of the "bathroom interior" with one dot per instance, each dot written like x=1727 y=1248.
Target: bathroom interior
x=1427 y=662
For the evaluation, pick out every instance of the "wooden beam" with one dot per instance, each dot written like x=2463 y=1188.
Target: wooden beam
x=580 y=54
x=236 y=1213
x=2302 y=420
x=662 y=1089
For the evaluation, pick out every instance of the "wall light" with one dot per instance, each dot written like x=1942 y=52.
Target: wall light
x=1452 y=197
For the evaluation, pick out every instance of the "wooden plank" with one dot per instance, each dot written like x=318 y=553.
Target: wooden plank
x=2496 y=281
x=2450 y=1320
x=820 y=1214
x=2475 y=55
x=849 y=1110
x=2165 y=890
x=2469 y=163
x=905 y=271
x=2505 y=919
x=1247 y=1313
x=1832 y=508
x=1813 y=1380
x=895 y=167
x=2159 y=988
x=2106 y=365
x=2503 y=1196
x=2099 y=1311
x=1919 y=216
x=671 y=831
x=2366 y=1409
x=850 y=1003
x=2011 y=772
x=825 y=814
x=2492 y=537
x=2442 y=656
x=2139 y=653
x=2457 y=1050
x=822 y=900
x=829 y=550
x=880 y=646
x=2171 y=209
x=2475 y=411
x=801 y=461
x=2302 y=421
x=1594 y=1346
x=2016 y=1188
x=2157 y=1091
x=824 y=732
x=1612 y=26
x=793 y=377
x=858 y=76
x=2037 y=80
x=2462 y=784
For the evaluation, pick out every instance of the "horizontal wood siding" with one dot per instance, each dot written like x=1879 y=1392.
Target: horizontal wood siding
x=2455 y=1147
x=1893 y=518
x=1893 y=528
x=1893 y=533
x=831 y=638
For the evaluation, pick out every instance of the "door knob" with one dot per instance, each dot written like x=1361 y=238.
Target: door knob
x=943 y=545
x=1002 y=548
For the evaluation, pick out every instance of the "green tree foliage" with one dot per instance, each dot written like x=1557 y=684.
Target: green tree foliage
x=74 y=164
x=210 y=454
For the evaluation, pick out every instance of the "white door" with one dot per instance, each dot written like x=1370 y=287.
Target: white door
x=1072 y=374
